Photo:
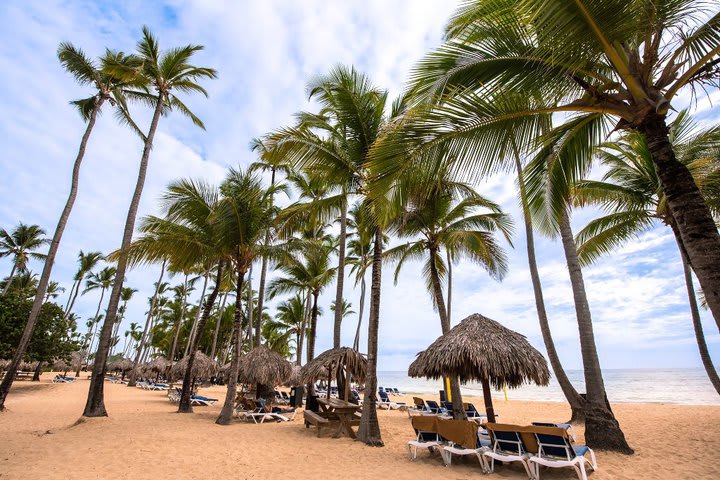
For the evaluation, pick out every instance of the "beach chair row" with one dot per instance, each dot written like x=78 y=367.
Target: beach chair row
x=431 y=407
x=175 y=394
x=258 y=411
x=533 y=446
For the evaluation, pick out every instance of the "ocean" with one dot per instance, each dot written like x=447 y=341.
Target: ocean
x=672 y=385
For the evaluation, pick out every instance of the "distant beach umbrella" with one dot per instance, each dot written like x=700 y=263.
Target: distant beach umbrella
x=481 y=349
x=328 y=364
x=203 y=367
x=295 y=378
x=122 y=365
x=158 y=365
x=4 y=364
x=264 y=367
x=60 y=365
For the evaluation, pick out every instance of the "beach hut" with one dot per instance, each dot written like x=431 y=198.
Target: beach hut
x=157 y=366
x=4 y=364
x=264 y=368
x=343 y=362
x=203 y=367
x=295 y=378
x=481 y=349
x=60 y=365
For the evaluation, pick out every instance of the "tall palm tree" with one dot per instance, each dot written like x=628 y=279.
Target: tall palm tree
x=107 y=88
x=274 y=165
x=187 y=237
x=307 y=272
x=243 y=218
x=126 y=295
x=165 y=73
x=53 y=291
x=24 y=284
x=290 y=317
x=101 y=280
x=614 y=63
x=631 y=195
x=181 y=293
x=438 y=222
x=86 y=263
x=20 y=244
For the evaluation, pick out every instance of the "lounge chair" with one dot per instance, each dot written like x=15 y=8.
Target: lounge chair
x=463 y=439
x=61 y=379
x=508 y=445
x=556 y=450
x=199 y=400
x=426 y=435
x=434 y=408
x=566 y=426
x=397 y=392
x=385 y=401
x=356 y=396
x=285 y=396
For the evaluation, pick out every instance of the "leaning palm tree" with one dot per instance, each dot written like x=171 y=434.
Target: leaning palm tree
x=242 y=218
x=20 y=244
x=53 y=291
x=631 y=195
x=290 y=318
x=181 y=293
x=107 y=88
x=165 y=73
x=436 y=222
x=86 y=263
x=125 y=296
x=612 y=63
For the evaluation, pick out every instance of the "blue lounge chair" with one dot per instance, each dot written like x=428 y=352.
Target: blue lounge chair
x=556 y=450
x=508 y=446
x=434 y=407
x=202 y=401
x=426 y=436
x=385 y=400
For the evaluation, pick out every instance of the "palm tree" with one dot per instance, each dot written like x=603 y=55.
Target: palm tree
x=53 y=291
x=345 y=309
x=243 y=218
x=613 y=63
x=274 y=165
x=290 y=318
x=24 y=284
x=437 y=222
x=87 y=262
x=631 y=194
x=165 y=73
x=196 y=321
x=309 y=272
x=20 y=244
x=102 y=280
x=126 y=295
x=107 y=88
x=134 y=333
x=181 y=293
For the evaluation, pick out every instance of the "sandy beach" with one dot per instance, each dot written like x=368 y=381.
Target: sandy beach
x=144 y=438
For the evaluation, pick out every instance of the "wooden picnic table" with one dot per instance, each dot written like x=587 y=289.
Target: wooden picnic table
x=343 y=411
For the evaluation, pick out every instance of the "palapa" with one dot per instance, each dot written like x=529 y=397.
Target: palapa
x=479 y=348
x=329 y=363
x=203 y=367
x=264 y=367
x=60 y=365
x=157 y=365
x=123 y=365
x=295 y=378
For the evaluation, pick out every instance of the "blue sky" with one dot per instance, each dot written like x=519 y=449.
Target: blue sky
x=265 y=51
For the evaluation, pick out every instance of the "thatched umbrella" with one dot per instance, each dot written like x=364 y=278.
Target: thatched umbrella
x=60 y=365
x=157 y=366
x=481 y=349
x=336 y=360
x=4 y=364
x=264 y=366
x=295 y=378
x=203 y=367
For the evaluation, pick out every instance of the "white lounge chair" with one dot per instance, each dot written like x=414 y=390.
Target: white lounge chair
x=507 y=446
x=556 y=450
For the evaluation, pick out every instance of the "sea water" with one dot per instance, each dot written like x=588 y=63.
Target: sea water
x=672 y=385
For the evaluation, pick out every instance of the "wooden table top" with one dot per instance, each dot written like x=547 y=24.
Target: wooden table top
x=337 y=404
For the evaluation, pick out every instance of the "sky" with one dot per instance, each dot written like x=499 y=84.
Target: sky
x=265 y=52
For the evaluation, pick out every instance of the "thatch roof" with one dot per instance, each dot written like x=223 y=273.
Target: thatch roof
x=203 y=367
x=4 y=363
x=264 y=366
x=76 y=360
x=295 y=378
x=60 y=365
x=353 y=361
x=478 y=348
x=124 y=365
x=157 y=365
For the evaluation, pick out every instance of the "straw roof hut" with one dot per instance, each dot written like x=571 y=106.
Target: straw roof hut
x=335 y=363
x=158 y=365
x=4 y=364
x=481 y=349
x=203 y=367
x=264 y=366
x=295 y=378
x=124 y=365
x=60 y=365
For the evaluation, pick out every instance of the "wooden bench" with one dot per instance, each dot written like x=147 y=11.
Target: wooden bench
x=312 y=418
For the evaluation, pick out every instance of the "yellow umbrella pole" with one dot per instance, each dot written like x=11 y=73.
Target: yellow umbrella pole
x=505 y=391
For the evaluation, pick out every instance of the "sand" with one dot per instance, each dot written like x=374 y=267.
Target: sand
x=41 y=437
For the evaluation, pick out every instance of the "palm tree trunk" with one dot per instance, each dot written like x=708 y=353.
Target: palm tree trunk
x=449 y=287
x=217 y=326
x=197 y=314
x=74 y=297
x=573 y=397
x=10 y=279
x=148 y=321
x=250 y=311
x=185 y=406
x=458 y=410
x=306 y=320
x=369 y=431
x=49 y=260
x=313 y=326
x=340 y=275
x=38 y=371
x=225 y=417
x=180 y=321
x=356 y=343
x=91 y=331
x=602 y=430
x=95 y=405
x=694 y=220
x=66 y=310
